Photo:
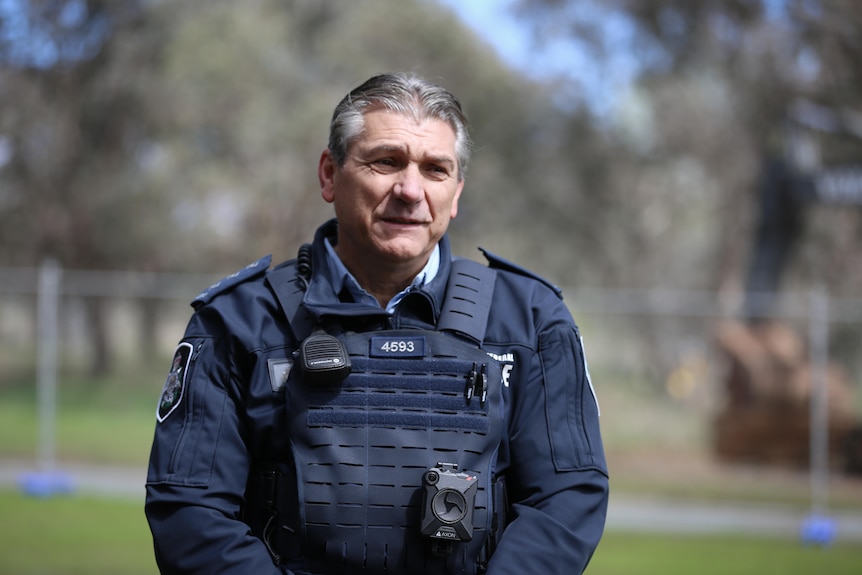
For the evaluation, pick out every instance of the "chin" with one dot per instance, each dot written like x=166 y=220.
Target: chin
x=400 y=251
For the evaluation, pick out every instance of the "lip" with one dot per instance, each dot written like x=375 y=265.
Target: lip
x=402 y=222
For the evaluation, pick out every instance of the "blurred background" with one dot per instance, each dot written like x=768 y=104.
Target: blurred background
x=688 y=172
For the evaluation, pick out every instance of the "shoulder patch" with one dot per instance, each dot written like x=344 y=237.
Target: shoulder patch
x=175 y=383
x=499 y=263
x=252 y=270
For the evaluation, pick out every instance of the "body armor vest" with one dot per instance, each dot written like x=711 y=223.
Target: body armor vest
x=362 y=448
x=416 y=405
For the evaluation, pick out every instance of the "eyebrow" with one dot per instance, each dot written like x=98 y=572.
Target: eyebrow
x=383 y=148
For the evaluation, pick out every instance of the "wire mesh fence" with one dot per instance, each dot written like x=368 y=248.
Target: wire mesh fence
x=674 y=370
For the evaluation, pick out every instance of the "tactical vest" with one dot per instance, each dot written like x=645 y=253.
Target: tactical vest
x=394 y=465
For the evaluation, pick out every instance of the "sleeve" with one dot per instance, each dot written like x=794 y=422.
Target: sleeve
x=557 y=477
x=199 y=465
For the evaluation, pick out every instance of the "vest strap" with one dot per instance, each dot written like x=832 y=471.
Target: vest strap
x=465 y=307
x=468 y=299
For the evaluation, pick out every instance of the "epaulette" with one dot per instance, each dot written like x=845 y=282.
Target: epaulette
x=250 y=271
x=499 y=263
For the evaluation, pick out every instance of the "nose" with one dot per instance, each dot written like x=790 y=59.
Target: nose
x=408 y=187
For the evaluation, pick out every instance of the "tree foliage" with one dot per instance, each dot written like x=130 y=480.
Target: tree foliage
x=189 y=138
x=185 y=135
x=717 y=98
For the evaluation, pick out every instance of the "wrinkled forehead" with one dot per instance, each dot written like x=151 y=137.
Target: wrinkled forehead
x=385 y=127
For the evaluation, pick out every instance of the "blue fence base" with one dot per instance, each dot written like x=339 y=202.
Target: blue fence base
x=46 y=484
x=818 y=530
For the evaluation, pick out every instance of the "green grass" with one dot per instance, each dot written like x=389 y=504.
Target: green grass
x=641 y=554
x=107 y=421
x=111 y=421
x=77 y=535
x=73 y=536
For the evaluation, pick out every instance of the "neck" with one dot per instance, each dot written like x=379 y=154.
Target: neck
x=383 y=280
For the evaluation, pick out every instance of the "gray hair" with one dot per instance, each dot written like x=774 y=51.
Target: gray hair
x=406 y=94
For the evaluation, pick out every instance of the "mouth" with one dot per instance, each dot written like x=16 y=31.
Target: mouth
x=402 y=222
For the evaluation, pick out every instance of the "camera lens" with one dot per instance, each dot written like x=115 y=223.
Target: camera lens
x=449 y=506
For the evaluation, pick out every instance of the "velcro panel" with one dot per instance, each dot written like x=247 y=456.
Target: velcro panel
x=363 y=446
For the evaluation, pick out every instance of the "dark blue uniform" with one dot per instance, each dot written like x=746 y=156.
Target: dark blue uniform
x=223 y=432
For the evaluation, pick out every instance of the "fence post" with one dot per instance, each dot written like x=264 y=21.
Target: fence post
x=50 y=276
x=47 y=480
x=818 y=528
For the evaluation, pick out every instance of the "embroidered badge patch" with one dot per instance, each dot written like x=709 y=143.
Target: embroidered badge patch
x=172 y=393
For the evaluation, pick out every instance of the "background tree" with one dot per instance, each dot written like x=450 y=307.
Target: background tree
x=73 y=120
x=718 y=88
x=184 y=136
x=723 y=93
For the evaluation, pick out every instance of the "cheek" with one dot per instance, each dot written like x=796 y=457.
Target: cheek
x=354 y=207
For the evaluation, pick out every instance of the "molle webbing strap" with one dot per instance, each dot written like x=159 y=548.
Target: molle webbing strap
x=363 y=445
x=468 y=299
x=419 y=400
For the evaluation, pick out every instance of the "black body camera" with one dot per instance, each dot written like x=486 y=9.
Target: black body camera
x=447 y=510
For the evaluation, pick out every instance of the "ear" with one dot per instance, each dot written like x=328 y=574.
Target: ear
x=326 y=176
x=454 y=211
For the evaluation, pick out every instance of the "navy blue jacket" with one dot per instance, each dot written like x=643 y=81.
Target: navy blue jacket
x=221 y=414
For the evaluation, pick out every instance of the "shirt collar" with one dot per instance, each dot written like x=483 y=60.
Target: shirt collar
x=340 y=278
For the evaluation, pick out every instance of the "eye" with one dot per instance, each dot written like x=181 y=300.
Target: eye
x=437 y=171
x=385 y=164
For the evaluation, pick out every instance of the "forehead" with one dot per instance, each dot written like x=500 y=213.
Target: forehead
x=383 y=127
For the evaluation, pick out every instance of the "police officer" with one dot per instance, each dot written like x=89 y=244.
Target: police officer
x=376 y=405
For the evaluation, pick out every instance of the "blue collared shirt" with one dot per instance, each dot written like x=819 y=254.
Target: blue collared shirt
x=341 y=278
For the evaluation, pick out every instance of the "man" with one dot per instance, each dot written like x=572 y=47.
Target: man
x=376 y=405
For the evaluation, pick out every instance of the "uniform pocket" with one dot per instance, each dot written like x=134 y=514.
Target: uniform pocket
x=570 y=406
x=186 y=436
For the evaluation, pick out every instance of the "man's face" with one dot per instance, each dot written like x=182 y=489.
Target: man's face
x=397 y=191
